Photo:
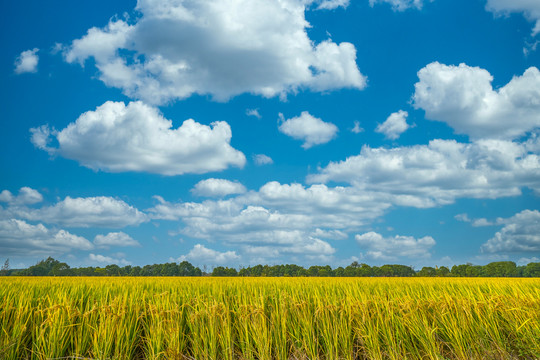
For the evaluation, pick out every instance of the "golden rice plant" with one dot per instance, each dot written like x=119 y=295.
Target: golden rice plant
x=269 y=318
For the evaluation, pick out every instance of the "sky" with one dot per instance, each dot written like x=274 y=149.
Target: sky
x=243 y=132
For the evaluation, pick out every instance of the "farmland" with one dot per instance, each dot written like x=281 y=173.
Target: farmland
x=269 y=318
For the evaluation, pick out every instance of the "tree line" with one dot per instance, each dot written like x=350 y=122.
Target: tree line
x=53 y=267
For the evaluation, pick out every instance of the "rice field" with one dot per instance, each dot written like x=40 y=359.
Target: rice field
x=269 y=318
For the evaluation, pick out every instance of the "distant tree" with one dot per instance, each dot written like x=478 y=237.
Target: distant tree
x=52 y=267
x=100 y=271
x=532 y=270
x=112 y=270
x=42 y=268
x=224 y=271
x=365 y=270
x=187 y=269
x=427 y=271
x=60 y=269
x=313 y=270
x=500 y=269
x=5 y=268
x=339 y=272
x=135 y=271
x=467 y=270
x=396 y=270
x=256 y=270
x=443 y=271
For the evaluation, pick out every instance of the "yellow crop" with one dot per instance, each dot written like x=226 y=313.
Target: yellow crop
x=269 y=318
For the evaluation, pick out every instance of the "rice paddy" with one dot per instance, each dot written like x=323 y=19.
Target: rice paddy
x=269 y=318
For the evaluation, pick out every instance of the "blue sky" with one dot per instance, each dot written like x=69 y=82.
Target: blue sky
x=295 y=131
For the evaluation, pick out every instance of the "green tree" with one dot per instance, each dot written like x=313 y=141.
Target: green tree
x=532 y=270
x=443 y=271
x=5 y=268
x=224 y=271
x=500 y=269
x=427 y=271
x=42 y=268
x=60 y=269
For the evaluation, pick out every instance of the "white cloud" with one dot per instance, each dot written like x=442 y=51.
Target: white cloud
x=521 y=233
x=26 y=196
x=27 y=62
x=530 y=47
x=17 y=237
x=525 y=261
x=462 y=217
x=217 y=188
x=482 y=222
x=329 y=234
x=202 y=255
x=289 y=219
x=332 y=4
x=378 y=247
x=400 y=5
x=530 y=8
x=313 y=131
x=394 y=126
x=276 y=206
x=100 y=211
x=261 y=159
x=357 y=129
x=115 y=239
x=438 y=173
x=463 y=97
x=179 y=48
x=137 y=137
x=253 y=112
x=474 y=222
x=97 y=258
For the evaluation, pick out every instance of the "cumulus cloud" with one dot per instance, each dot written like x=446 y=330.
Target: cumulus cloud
x=202 y=255
x=463 y=97
x=115 y=239
x=521 y=233
x=26 y=196
x=313 y=131
x=136 y=137
x=292 y=220
x=18 y=238
x=97 y=258
x=100 y=211
x=276 y=205
x=378 y=247
x=400 y=5
x=394 y=126
x=217 y=188
x=179 y=48
x=27 y=62
x=261 y=159
x=440 y=172
x=530 y=8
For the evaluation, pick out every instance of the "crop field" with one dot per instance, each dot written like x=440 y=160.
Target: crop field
x=269 y=318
